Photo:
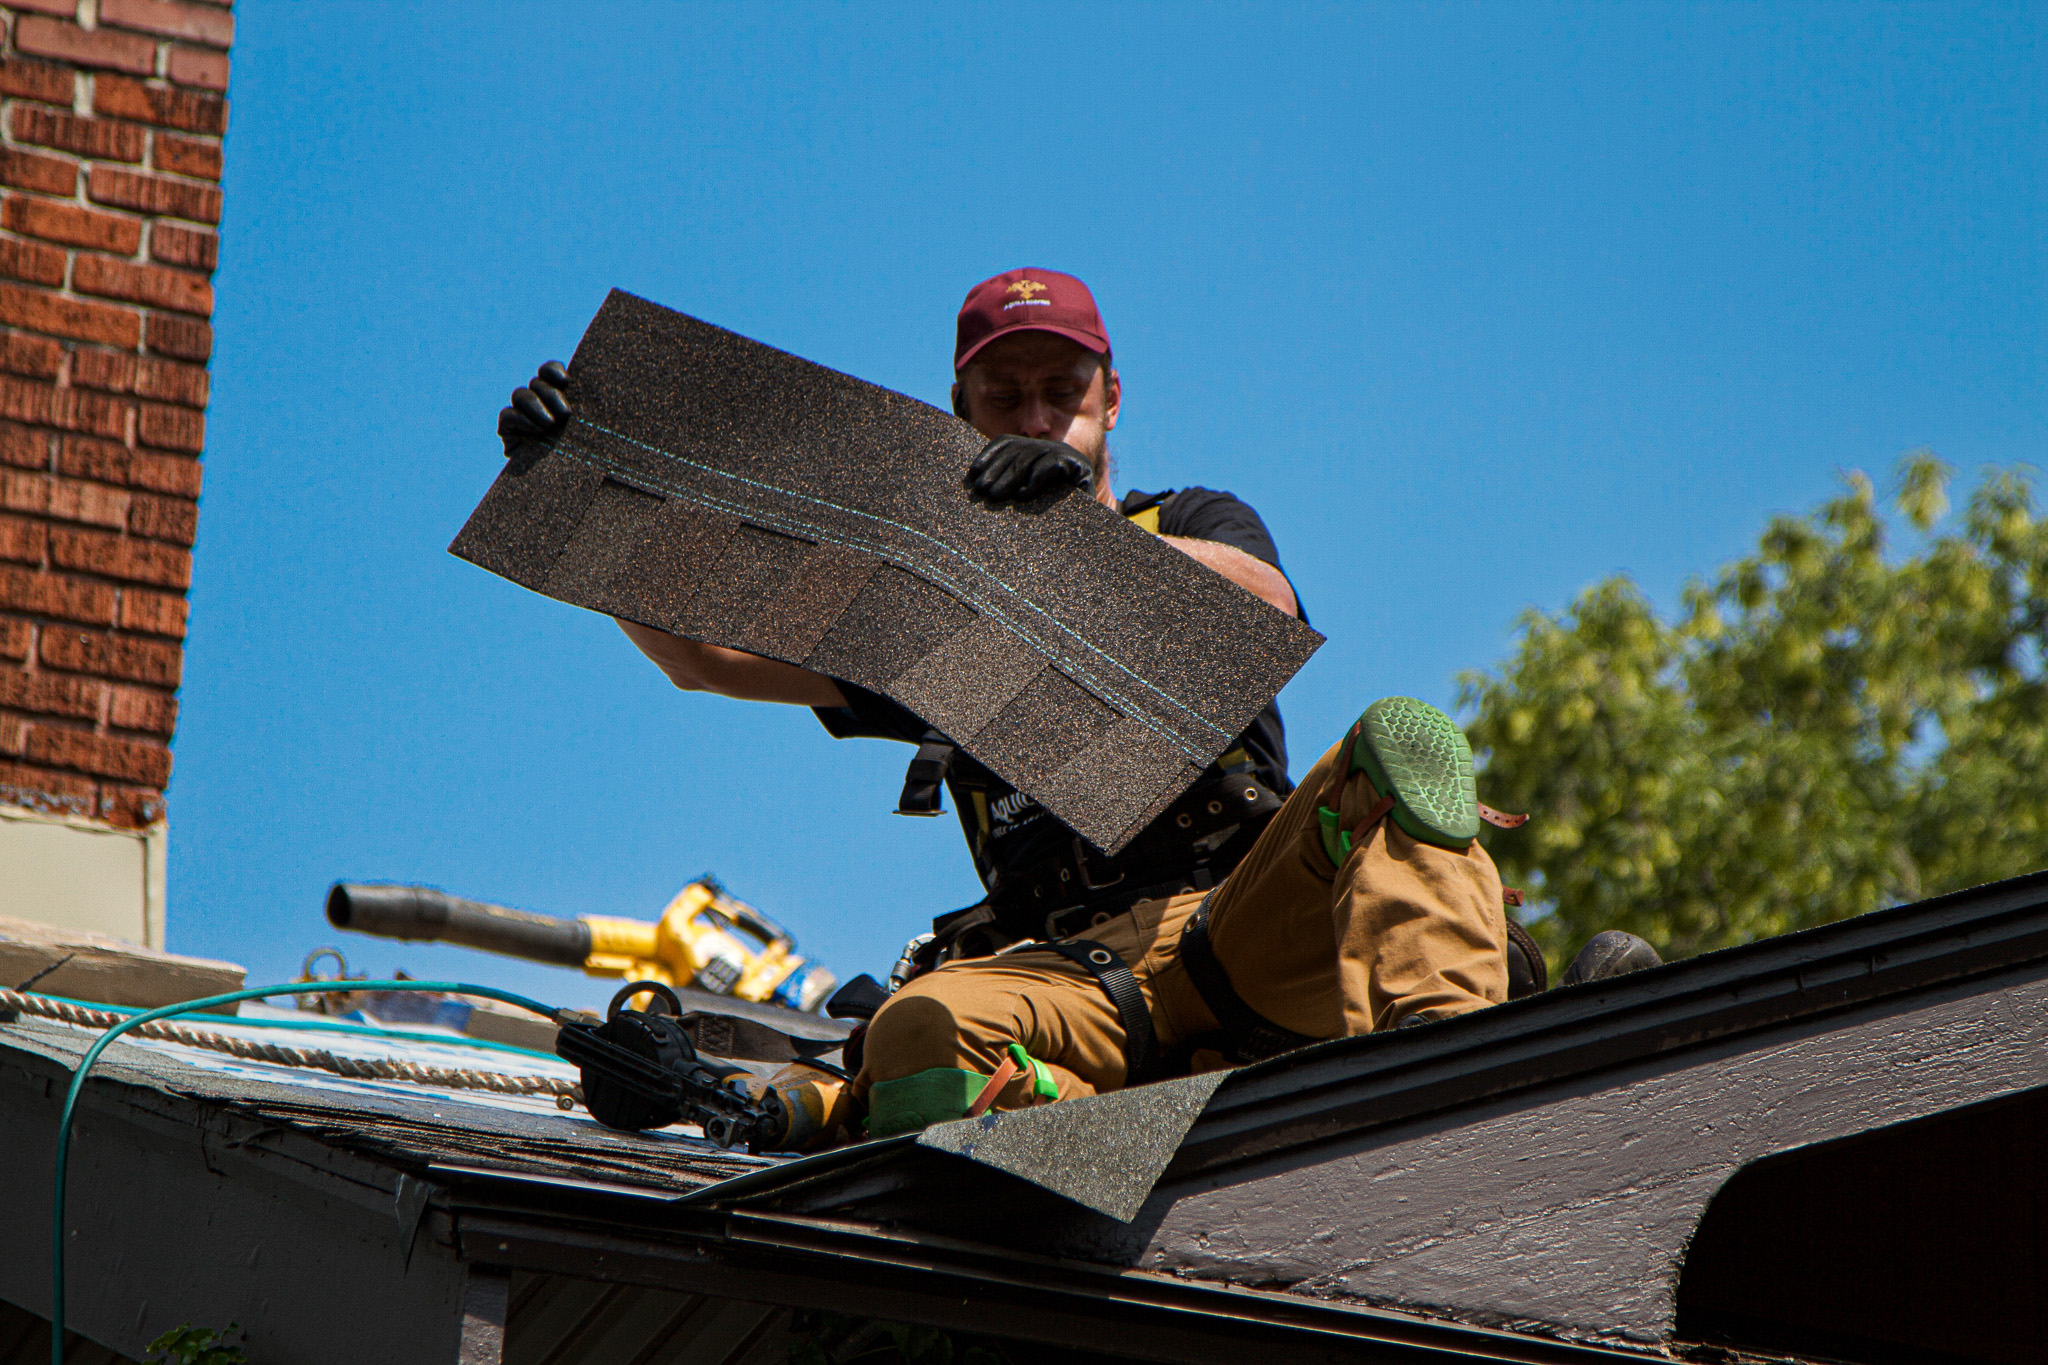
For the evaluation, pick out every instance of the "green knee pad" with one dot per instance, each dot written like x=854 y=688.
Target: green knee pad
x=1416 y=754
x=943 y=1093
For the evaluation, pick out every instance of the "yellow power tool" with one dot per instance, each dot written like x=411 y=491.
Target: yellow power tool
x=704 y=938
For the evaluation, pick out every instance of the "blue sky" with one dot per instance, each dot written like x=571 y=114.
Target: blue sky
x=1477 y=304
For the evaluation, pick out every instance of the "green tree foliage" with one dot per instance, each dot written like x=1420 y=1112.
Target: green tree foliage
x=1826 y=729
x=189 y=1345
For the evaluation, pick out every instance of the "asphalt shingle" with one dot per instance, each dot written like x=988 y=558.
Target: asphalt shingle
x=735 y=494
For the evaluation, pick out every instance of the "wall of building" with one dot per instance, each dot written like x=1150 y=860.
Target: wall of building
x=111 y=119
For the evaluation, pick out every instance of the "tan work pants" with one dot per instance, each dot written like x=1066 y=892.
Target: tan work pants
x=1401 y=929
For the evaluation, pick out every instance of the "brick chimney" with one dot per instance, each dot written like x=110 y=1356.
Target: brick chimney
x=111 y=117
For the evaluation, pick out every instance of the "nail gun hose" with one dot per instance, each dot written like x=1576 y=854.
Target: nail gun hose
x=421 y=913
x=92 y=1055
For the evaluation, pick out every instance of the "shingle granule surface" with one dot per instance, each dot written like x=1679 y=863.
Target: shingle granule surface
x=728 y=492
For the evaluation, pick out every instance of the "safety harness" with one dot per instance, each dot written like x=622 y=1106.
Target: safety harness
x=1072 y=888
x=1245 y=1035
x=1117 y=982
x=1193 y=844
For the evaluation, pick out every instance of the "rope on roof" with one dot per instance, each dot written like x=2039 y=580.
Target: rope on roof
x=251 y=1049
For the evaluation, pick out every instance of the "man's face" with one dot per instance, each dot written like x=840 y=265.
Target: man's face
x=1046 y=387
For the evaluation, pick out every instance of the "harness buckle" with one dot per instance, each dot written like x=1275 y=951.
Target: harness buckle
x=1081 y=856
x=1073 y=919
x=925 y=778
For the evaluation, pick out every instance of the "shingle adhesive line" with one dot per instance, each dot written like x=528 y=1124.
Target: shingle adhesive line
x=731 y=493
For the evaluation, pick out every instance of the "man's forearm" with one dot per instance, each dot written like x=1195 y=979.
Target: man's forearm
x=696 y=667
x=1254 y=575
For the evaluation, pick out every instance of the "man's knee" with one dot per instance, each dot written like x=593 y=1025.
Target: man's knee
x=915 y=1030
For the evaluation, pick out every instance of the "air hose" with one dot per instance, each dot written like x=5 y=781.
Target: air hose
x=92 y=1054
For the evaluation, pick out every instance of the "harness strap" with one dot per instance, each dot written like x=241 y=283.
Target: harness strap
x=1501 y=819
x=995 y=1085
x=925 y=778
x=1121 y=987
x=1539 y=970
x=1249 y=1035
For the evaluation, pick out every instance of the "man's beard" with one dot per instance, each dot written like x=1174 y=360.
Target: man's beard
x=1101 y=461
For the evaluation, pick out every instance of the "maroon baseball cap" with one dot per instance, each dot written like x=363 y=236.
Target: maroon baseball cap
x=1028 y=301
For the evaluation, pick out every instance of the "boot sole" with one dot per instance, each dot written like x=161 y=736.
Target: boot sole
x=1416 y=754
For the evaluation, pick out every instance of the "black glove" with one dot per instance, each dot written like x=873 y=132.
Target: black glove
x=1016 y=468
x=539 y=411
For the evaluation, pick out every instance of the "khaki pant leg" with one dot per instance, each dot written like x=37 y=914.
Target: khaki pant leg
x=966 y=1015
x=1420 y=929
x=1402 y=928
x=1271 y=919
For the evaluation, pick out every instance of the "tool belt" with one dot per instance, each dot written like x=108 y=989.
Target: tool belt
x=1191 y=847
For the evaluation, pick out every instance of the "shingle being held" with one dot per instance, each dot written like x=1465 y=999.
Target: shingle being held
x=735 y=494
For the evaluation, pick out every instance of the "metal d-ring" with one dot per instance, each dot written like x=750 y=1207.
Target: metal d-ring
x=664 y=995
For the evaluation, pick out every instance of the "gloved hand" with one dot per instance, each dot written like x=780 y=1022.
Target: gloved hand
x=1015 y=468
x=539 y=411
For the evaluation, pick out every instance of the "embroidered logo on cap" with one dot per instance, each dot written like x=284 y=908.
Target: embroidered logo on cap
x=1024 y=289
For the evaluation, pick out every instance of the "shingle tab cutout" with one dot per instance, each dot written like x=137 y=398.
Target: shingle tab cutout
x=731 y=493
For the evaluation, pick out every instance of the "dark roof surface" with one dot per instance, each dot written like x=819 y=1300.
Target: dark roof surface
x=1350 y=1086
x=1022 y=1223
x=544 y=1194
x=416 y=1126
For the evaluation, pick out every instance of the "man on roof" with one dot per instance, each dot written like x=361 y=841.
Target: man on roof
x=1250 y=918
x=1033 y=372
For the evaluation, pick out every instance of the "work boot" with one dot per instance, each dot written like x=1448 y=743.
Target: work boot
x=1417 y=756
x=1610 y=953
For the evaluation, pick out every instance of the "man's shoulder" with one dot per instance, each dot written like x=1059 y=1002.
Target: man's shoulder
x=1198 y=501
x=1184 y=505
x=1134 y=502
x=1206 y=514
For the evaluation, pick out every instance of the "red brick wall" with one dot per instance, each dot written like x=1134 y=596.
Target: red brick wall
x=111 y=116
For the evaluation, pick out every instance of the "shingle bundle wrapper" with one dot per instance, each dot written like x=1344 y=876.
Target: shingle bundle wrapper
x=731 y=493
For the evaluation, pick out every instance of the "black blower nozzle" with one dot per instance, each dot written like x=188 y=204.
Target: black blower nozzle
x=422 y=914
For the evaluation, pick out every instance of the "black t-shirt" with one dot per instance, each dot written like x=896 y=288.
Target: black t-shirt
x=1008 y=831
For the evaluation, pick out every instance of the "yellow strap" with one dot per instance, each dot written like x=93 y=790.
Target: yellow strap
x=1147 y=520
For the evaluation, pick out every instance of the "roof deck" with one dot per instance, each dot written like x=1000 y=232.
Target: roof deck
x=1818 y=1144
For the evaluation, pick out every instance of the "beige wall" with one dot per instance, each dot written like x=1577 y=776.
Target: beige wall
x=78 y=874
